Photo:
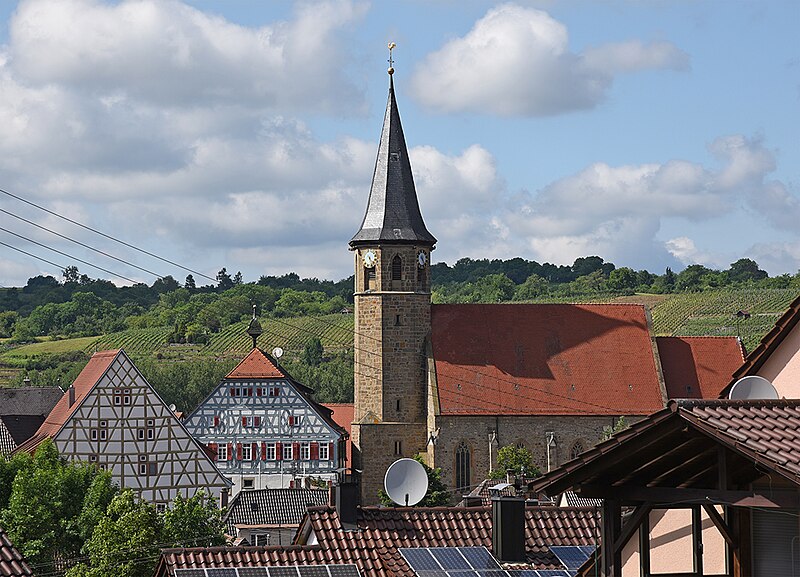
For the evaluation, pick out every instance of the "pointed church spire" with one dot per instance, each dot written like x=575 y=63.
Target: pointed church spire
x=393 y=214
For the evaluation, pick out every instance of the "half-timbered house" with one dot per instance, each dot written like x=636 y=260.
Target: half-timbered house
x=112 y=417
x=265 y=430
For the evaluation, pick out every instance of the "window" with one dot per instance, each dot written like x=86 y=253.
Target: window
x=577 y=448
x=126 y=397
x=324 y=453
x=288 y=455
x=398 y=447
x=421 y=278
x=215 y=421
x=256 y=421
x=222 y=452
x=143 y=465
x=462 y=466
x=151 y=429
x=259 y=539
x=92 y=458
x=305 y=451
x=248 y=484
x=397 y=268
x=140 y=434
x=244 y=421
x=249 y=391
x=103 y=430
x=270 y=452
x=93 y=434
x=234 y=392
x=247 y=453
x=161 y=508
x=274 y=391
x=295 y=420
x=122 y=397
x=369 y=278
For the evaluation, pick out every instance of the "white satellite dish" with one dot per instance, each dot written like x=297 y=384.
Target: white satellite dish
x=277 y=352
x=172 y=407
x=406 y=482
x=752 y=387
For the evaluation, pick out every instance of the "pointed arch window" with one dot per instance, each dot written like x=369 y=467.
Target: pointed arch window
x=578 y=447
x=397 y=268
x=463 y=464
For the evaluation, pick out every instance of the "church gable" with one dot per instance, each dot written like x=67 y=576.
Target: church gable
x=122 y=425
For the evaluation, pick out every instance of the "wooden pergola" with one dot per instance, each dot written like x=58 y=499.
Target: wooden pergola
x=693 y=454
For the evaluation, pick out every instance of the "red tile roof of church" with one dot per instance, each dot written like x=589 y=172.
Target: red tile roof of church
x=537 y=359
x=343 y=416
x=256 y=365
x=83 y=384
x=698 y=367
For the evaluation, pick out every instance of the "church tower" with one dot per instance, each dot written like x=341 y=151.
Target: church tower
x=392 y=314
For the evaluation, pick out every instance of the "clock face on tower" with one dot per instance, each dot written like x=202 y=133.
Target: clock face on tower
x=422 y=258
x=370 y=258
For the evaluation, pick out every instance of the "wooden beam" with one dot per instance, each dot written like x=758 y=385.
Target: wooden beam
x=722 y=468
x=666 y=462
x=634 y=522
x=611 y=561
x=656 y=495
x=721 y=525
x=697 y=541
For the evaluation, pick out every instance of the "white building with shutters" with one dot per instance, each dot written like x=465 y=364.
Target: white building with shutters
x=264 y=429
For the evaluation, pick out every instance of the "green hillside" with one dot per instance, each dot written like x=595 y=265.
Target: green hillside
x=685 y=314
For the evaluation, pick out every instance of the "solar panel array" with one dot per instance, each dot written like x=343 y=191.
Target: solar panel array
x=294 y=571
x=478 y=562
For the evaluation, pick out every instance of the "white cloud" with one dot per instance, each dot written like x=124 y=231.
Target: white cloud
x=684 y=249
x=516 y=62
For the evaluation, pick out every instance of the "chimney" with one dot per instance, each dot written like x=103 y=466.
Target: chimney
x=71 y=395
x=346 y=501
x=473 y=501
x=508 y=529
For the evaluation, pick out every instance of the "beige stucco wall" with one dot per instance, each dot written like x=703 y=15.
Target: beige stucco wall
x=671 y=545
x=782 y=368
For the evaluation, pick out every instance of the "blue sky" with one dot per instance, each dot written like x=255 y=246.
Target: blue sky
x=243 y=134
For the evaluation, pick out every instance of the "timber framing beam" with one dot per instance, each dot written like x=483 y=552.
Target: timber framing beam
x=656 y=495
x=634 y=522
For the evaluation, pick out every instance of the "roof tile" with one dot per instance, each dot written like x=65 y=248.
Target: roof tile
x=256 y=365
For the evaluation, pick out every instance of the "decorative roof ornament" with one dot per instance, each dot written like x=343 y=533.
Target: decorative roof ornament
x=254 y=328
x=392 y=46
x=393 y=215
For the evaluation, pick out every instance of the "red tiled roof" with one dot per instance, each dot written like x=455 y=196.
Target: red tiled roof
x=12 y=563
x=545 y=359
x=698 y=367
x=769 y=343
x=343 y=416
x=381 y=531
x=256 y=365
x=83 y=384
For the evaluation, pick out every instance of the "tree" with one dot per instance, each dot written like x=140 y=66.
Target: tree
x=224 y=281
x=237 y=278
x=534 y=286
x=691 y=278
x=194 y=522
x=125 y=541
x=518 y=460
x=189 y=283
x=744 y=270
x=437 y=495
x=312 y=352
x=71 y=274
x=166 y=284
x=608 y=431
x=622 y=278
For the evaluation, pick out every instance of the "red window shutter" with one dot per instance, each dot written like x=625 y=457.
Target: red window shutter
x=216 y=421
x=315 y=451
x=330 y=451
x=212 y=447
x=263 y=451
x=249 y=391
x=257 y=421
x=238 y=451
x=230 y=451
x=296 y=451
x=254 y=451
x=279 y=451
x=244 y=421
x=291 y=420
x=233 y=392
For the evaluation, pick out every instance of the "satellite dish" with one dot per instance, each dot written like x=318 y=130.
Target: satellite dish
x=406 y=482
x=752 y=388
x=172 y=407
x=277 y=352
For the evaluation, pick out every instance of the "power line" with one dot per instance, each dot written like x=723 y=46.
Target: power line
x=122 y=242
x=32 y=255
x=155 y=274
x=69 y=255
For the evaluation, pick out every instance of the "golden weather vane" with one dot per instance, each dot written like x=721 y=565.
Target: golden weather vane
x=392 y=46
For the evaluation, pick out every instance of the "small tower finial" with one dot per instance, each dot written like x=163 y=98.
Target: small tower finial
x=254 y=328
x=392 y=46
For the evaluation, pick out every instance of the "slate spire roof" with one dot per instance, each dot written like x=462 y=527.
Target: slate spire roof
x=393 y=214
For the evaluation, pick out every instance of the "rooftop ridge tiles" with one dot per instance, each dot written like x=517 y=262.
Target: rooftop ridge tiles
x=736 y=403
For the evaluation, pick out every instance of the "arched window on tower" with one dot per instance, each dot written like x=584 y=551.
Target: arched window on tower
x=462 y=466
x=397 y=268
x=369 y=278
x=578 y=447
x=422 y=278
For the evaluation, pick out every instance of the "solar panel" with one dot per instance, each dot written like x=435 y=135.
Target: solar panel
x=449 y=558
x=572 y=557
x=252 y=572
x=479 y=558
x=227 y=572
x=555 y=573
x=343 y=571
x=523 y=573
x=283 y=572
x=190 y=573
x=489 y=573
x=311 y=571
x=420 y=559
